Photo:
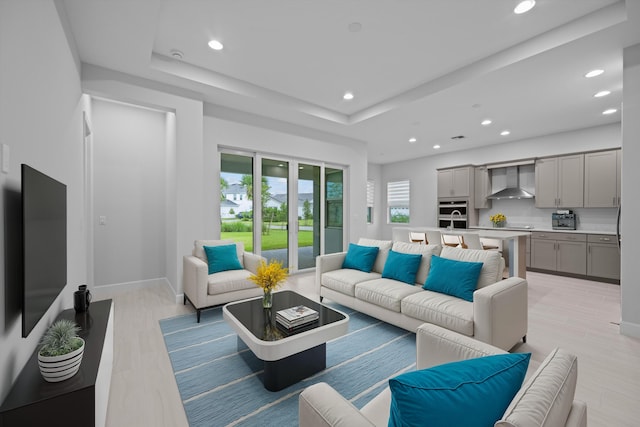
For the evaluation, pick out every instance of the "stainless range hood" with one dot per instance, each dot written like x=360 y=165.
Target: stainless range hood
x=513 y=190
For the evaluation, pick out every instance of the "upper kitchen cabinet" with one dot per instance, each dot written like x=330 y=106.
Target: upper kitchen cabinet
x=482 y=185
x=560 y=182
x=602 y=179
x=455 y=182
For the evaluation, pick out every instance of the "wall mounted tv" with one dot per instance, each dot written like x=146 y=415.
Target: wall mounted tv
x=44 y=231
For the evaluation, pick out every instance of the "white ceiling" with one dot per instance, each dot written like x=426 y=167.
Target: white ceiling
x=429 y=69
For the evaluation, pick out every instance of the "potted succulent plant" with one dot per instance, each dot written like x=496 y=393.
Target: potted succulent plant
x=61 y=352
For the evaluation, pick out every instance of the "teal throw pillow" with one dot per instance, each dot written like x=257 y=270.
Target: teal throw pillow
x=360 y=257
x=222 y=258
x=452 y=277
x=402 y=267
x=469 y=393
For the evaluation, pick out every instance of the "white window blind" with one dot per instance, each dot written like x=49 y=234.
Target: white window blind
x=370 y=199
x=398 y=201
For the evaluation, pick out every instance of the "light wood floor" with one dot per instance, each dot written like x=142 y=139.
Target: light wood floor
x=579 y=315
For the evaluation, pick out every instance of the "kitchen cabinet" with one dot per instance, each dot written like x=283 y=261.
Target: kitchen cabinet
x=455 y=182
x=602 y=179
x=482 y=187
x=560 y=182
x=562 y=252
x=603 y=256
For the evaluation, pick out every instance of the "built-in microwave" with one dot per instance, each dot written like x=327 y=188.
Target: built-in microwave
x=455 y=211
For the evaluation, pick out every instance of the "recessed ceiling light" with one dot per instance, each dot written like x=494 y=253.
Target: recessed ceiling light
x=412 y=140
x=176 y=54
x=216 y=45
x=593 y=73
x=609 y=111
x=486 y=122
x=524 y=6
x=602 y=93
x=505 y=133
x=435 y=147
x=348 y=96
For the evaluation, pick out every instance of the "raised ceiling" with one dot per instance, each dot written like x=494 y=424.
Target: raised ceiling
x=429 y=69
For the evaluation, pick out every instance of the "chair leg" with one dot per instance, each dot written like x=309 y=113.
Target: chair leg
x=198 y=315
x=321 y=298
x=184 y=299
x=524 y=339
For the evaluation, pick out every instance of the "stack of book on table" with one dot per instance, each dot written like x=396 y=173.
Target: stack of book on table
x=295 y=317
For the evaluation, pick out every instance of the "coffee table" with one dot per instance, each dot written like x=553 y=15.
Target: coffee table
x=288 y=355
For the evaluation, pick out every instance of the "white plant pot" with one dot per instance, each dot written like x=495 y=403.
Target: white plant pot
x=60 y=368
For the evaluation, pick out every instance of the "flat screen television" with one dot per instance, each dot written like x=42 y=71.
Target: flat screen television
x=44 y=232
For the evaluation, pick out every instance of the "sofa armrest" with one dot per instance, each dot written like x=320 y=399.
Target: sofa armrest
x=251 y=261
x=500 y=313
x=578 y=415
x=195 y=273
x=321 y=406
x=329 y=262
x=436 y=345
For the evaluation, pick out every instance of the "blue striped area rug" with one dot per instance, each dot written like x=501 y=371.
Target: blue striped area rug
x=221 y=387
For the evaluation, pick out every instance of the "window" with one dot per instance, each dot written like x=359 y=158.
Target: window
x=398 y=202
x=370 y=198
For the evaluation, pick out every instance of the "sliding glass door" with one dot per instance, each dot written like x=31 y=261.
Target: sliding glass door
x=294 y=215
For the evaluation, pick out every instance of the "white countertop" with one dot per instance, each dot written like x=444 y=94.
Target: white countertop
x=489 y=233
x=546 y=230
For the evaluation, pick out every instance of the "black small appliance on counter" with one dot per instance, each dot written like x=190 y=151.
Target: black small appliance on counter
x=563 y=220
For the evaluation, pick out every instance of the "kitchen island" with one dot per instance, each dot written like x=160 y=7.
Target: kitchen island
x=516 y=241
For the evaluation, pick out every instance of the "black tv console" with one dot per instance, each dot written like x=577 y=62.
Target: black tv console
x=82 y=399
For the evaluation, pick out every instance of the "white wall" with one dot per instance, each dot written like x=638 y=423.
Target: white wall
x=129 y=191
x=41 y=122
x=243 y=136
x=423 y=175
x=630 y=285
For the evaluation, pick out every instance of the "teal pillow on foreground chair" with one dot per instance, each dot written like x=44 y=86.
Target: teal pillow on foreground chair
x=360 y=257
x=222 y=258
x=469 y=393
x=452 y=277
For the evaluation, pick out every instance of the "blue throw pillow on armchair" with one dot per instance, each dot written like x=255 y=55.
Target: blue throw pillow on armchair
x=469 y=393
x=402 y=267
x=222 y=258
x=360 y=257
x=452 y=277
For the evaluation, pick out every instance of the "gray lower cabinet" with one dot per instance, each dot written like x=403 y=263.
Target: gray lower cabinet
x=561 y=252
x=603 y=256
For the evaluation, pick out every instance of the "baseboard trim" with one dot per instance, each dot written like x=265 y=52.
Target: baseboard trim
x=630 y=329
x=100 y=292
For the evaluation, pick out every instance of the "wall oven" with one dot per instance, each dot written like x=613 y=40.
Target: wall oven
x=456 y=211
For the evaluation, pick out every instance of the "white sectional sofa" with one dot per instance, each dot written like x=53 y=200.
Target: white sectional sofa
x=545 y=399
x=497 y=315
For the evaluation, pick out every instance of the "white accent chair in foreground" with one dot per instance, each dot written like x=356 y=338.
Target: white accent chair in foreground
x=546 y=398
x=205 y=290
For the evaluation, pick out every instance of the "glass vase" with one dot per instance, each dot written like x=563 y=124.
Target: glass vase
x=267 y=299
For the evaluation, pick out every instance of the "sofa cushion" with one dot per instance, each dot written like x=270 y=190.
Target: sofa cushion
x=468 y=393
x=228 y=281
x=452 y=277
x=546 y=398
x=490 y=260
x=384 y=246
x=425 y=250
x=360 y=257
x=222 y=258
x=402 y=267
x=452 y=313
x=345 y=280
x=198 y=248
x=385 y=293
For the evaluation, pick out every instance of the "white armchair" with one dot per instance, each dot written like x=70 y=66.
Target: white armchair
x=205 y=290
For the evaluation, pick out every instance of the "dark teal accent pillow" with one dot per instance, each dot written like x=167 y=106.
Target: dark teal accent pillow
x=452 y=277
x=402 y=267
x=222 y=258
x=360 y=257
x=469 y=393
